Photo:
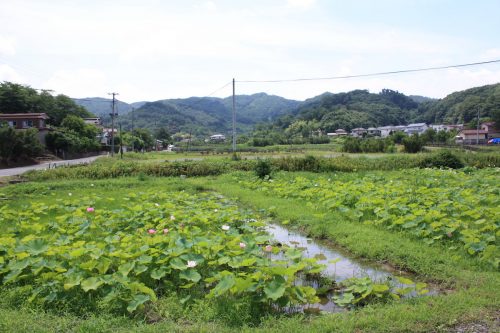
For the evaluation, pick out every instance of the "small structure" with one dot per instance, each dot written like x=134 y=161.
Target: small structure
x=93 y=121
x=439 y=128
x=23 y=121
x=341 y=132
x=374 y=131
x=385 y=131
x=493 y=131
x=457 y=127
x=417 y=128
x=105 y=137
x=358 y=132
x=217 y=138
x=472 y=137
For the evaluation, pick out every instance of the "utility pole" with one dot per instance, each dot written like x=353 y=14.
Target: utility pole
x=133 y=148
x=477 y=128
x=121 y=142
x=113 y=115
x=234 y=119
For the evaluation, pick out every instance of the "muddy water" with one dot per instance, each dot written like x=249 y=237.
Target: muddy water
x=342 y=269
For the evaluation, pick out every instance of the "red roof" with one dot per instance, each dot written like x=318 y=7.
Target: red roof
x=24 y=116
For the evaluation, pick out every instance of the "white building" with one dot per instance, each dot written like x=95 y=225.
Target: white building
x=417 y=128
x=217 y=137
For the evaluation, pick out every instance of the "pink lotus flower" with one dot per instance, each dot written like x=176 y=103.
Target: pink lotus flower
x=151 y=231
x=90 y=209
x=268 y=248
x=191 y=263
x=165 y=231
x=243 y=245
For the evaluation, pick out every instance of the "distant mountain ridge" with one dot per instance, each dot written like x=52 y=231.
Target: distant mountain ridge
x=202 y=115
x=358 y=108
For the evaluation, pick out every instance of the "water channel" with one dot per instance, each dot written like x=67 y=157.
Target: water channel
x=342 y=269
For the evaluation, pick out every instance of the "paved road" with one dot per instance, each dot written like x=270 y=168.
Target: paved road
x=21 y=170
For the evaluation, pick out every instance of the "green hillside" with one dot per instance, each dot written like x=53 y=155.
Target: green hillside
x=206 y=115
x=462 y=106
x=358 y=108
x=101 y=107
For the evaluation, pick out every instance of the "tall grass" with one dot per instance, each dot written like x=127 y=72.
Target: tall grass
x=114 y=169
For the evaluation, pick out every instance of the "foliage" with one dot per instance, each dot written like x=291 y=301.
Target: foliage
x=263 y=168
x=16 y=98
x=443 y=159
x=365 y=145
x=203 y=116
x=18 y=144
x=462 y=106
x=361 y=291
x=74 y=136
x=163 y=135
x=112 y=168
x=155 y=243
x=458 y=209
x=413 y=143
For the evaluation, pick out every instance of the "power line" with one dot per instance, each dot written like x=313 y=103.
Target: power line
x=218 y=89
x=371 y=74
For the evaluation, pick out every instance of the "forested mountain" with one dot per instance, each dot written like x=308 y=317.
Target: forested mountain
x=463 y=106
x=101 y=107
x=358 y=108
x=206 y=115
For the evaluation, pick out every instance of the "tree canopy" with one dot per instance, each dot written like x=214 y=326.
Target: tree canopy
x=17 y=98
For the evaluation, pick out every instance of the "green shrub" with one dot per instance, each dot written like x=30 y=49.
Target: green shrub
x=443 y=159
x=413 y=144
x=263 y=168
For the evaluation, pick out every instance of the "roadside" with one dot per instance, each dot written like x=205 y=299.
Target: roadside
x=47 y=165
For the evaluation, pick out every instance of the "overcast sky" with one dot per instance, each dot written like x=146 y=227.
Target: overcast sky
x=152 y=49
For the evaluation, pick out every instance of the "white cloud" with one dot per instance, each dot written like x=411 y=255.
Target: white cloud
x=301 y=3
x=7 y=46
x=82 y=82
x=8 y=73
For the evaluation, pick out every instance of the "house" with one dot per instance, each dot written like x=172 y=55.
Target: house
x=439 y=128
x=417 y=128
x=93 y=121
x=490 y=127
x=457 y=127
x=385 y=131
x=358 y=132
x=217 y=137
x=20 y=121
x=341 y=132
x=106 y=135
x=374 y=131
x=472 y=136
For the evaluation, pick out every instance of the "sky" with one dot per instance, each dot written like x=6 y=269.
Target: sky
x=151 y=49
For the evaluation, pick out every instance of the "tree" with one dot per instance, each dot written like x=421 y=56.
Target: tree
x=16 y=98
x=413 y=143
x=163 y=135
x=145 y=136
x=398 y=137
x=429 y=135
x=18 y=144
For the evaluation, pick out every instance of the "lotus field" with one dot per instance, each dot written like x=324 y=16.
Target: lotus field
x=458 y=209
x=122 y=255
x=140 y=253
